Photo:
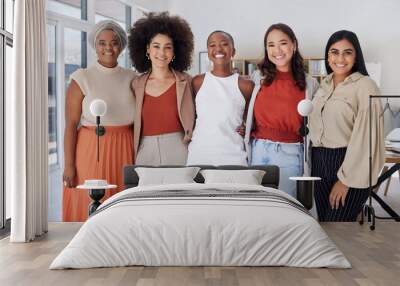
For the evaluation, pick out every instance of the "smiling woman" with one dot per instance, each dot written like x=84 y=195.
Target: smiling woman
x=161 y=46
x=274 y=137
x=339 y=128
x=222 y=97
x=107 y=81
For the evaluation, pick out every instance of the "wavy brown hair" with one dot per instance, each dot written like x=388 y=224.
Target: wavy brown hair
x=146 y=28
x=268 y=69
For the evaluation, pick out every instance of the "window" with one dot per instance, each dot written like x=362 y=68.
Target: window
x=9 y=11
x=70 y=8
x=6 y=43
x=106 y=9
x=8 y=69
x=52 y=95
x=74 y=55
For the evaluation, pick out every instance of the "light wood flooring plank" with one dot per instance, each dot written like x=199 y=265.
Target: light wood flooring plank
x=375 y=257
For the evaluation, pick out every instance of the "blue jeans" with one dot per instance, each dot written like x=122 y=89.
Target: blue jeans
x=287 y=156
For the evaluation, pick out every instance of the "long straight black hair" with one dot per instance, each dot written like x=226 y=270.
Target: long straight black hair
x=268 y=69
x=359 y=64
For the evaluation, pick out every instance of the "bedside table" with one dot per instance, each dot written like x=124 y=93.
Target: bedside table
x=96 y=193
x=305 y=190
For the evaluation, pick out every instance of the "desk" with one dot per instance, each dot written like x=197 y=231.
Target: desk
x=386 y=173
x=391 y=158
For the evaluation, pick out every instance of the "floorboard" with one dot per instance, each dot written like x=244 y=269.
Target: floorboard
x=375 y=257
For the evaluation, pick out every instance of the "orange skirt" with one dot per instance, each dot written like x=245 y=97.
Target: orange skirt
x=116 y=151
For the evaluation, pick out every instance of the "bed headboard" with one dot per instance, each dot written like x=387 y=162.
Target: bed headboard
x=270 y=179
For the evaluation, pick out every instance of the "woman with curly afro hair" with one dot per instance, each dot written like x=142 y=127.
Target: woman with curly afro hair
x=161 y=47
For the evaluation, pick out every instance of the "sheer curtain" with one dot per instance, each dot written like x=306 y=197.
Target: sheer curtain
x=27 y=117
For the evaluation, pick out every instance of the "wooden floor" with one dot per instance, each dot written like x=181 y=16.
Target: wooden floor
x=374 y=255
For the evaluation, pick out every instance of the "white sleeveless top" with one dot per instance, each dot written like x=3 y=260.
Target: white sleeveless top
x=219 y=109
x=113 y=85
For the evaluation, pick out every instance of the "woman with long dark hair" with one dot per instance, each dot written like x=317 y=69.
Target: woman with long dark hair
x=339 y=131
x=273 y=123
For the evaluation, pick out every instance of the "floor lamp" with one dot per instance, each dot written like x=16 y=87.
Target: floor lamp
x=305 y=184
x=98 y=108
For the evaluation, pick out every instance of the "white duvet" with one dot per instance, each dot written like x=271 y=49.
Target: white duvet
x=200 y=231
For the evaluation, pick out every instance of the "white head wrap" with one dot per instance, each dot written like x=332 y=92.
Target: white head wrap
x=107 y=25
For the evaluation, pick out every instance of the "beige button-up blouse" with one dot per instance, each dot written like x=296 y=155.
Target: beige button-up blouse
x=341 y=119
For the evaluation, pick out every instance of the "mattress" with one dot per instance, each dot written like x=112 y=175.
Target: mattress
x=201 y=225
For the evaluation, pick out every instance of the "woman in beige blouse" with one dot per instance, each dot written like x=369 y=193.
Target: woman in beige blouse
x=339 y=131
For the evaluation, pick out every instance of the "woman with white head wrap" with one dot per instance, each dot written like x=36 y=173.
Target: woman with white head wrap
x=105 y=80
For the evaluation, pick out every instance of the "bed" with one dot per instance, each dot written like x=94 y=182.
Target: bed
x=201 y=224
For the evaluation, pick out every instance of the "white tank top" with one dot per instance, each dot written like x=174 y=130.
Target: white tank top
x=219 y=109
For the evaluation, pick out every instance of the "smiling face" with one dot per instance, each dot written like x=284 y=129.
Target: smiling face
x=108 y=48
x=280 y=49
x=161 y=51
x=341 y=58
x=220 y=48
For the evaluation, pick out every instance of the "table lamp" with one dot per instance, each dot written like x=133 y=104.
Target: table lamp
x=98 y=108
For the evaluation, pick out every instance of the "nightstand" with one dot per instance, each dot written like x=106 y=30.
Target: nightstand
x=96 y=193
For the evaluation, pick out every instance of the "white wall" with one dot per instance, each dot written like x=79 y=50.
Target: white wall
x=152 y=5
x=377 y=24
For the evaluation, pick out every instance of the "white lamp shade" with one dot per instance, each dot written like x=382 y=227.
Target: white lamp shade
x=98 y=107
x=305 y=107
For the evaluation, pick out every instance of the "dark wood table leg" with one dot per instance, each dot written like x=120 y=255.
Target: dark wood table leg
x=96 y=195
x=305 y=193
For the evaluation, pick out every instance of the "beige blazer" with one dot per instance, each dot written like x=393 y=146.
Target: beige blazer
x=184 y=94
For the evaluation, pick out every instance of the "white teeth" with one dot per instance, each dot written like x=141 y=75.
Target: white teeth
x=278 y=57
x=340 y=66
x=219 y=56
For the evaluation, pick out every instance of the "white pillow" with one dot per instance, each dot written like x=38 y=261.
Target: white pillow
x=248 y=177
x=165 y=176
x=394 y=135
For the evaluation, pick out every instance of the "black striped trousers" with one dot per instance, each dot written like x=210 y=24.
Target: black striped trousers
x=325 y=164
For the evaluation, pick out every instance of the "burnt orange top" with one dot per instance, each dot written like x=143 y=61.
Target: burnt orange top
x=275 y=110
x=160 y=113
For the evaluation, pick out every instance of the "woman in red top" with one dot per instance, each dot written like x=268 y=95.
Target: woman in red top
x=273 y=122
x=161 y=47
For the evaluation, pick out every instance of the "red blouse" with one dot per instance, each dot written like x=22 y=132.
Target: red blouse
x=275 y=110
x=160 y=113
